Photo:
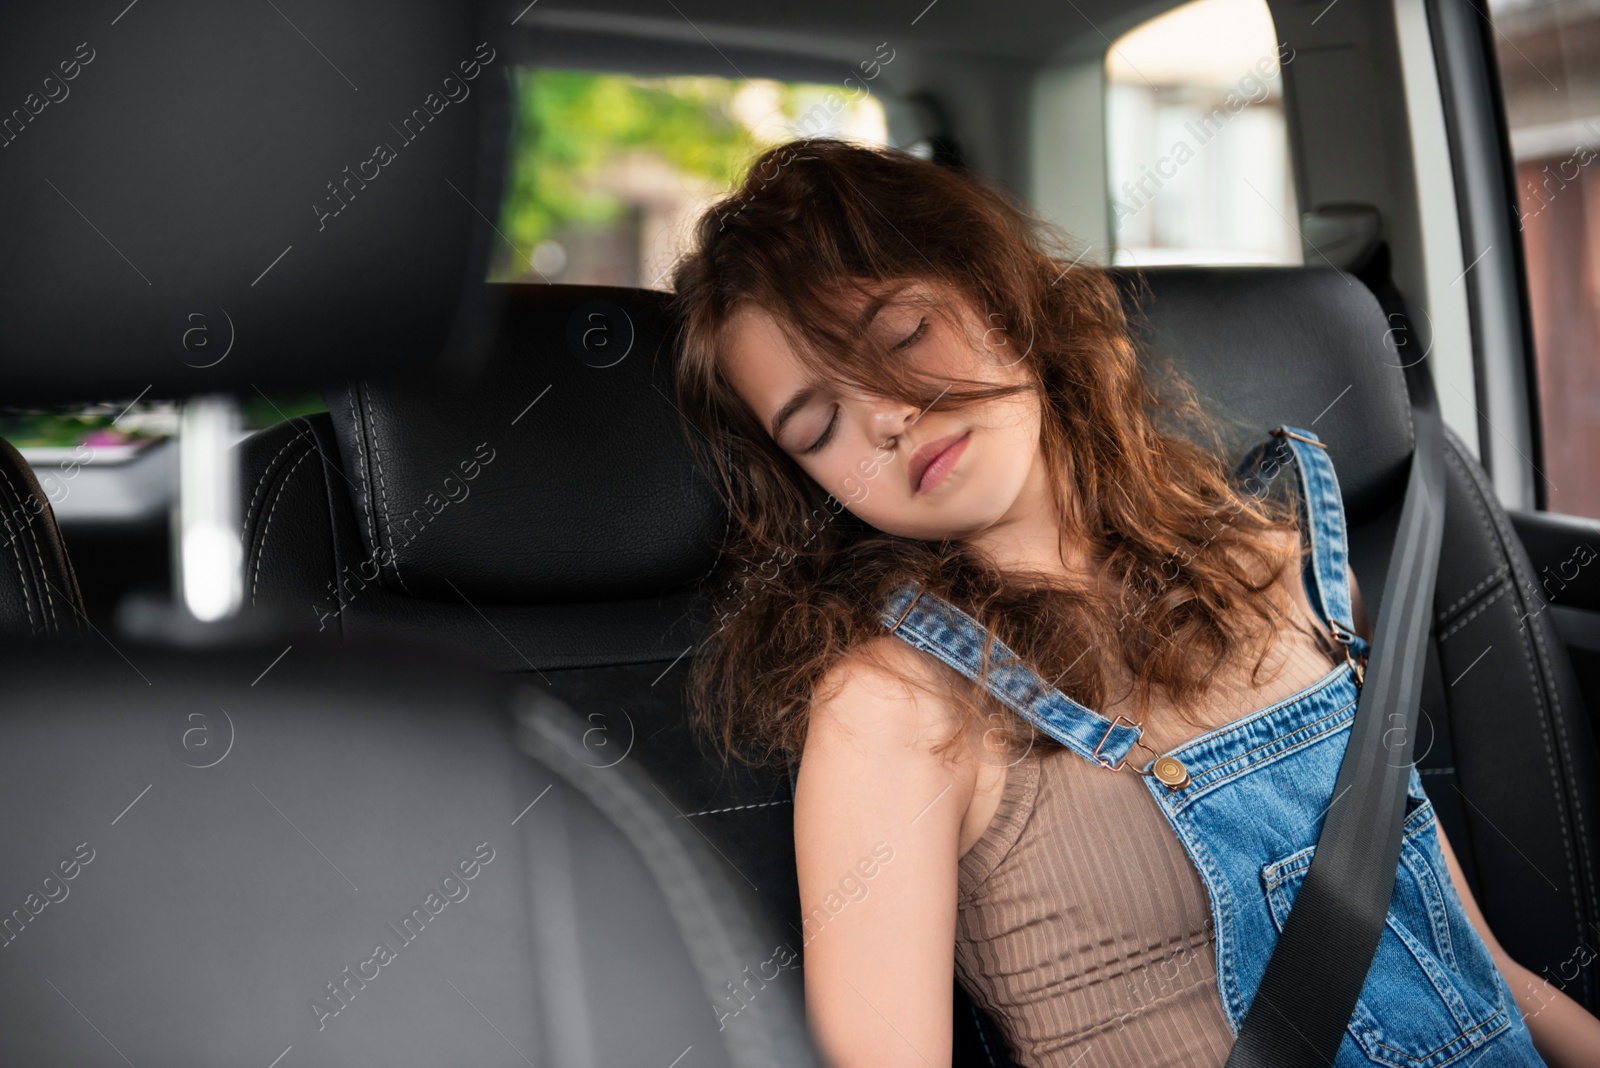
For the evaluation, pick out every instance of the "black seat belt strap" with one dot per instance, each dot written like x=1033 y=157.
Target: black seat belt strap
x=1314 y=975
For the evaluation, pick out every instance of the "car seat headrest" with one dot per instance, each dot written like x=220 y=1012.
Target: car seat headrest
x=558 y=472
x=1307 y=346
x=211 y=197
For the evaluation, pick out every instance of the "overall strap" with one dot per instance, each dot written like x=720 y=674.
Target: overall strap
x=1321 y=510
x=938 y=627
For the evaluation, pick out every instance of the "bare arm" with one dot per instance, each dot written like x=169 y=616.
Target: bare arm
x=1563 y=1032
x=877 y=821
x=1565 y=1035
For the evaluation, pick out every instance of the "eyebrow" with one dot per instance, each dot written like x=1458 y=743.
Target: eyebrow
x=790 y=407
x=804 y=394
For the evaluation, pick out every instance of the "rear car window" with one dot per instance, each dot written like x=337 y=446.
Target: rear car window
x=608 y=171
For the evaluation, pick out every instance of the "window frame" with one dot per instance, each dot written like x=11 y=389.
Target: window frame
x=1510 y=430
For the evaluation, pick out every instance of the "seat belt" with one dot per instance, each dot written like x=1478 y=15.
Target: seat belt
x=1314 y=975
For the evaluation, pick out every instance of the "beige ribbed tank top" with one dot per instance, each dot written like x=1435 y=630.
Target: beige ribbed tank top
x=1083 y=926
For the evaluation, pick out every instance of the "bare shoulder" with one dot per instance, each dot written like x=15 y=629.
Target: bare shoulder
x=884 y=692
x=879 y=740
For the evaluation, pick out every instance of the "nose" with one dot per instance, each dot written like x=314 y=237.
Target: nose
x=890 y=418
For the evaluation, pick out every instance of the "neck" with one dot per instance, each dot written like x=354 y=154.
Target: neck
x=1032 y=537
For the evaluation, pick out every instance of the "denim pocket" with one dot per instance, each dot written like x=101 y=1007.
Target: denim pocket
x=1432 y=994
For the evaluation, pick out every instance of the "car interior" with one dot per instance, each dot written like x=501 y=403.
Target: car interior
x=404 y=581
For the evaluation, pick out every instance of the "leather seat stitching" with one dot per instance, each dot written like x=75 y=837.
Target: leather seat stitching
x=977 y=1025
x=366 y=483
x=737 y=808
x=1577 y=804
x=383 y=488
x=27 y=600
x=1507 y=543
x=1449 y=613
x=1477 y=610
x=261 y=548
x=1491 y=526
x=266 y=476
x=39 y=558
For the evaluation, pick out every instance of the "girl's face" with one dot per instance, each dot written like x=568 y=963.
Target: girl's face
x=869 y=450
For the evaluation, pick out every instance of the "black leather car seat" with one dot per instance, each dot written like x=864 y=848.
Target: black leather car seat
x=577 y=549
x=38 y=589
x=544 y=519
x=369 y=856
x=1507 y=754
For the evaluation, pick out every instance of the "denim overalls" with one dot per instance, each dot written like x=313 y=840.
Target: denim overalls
x=1247 y=801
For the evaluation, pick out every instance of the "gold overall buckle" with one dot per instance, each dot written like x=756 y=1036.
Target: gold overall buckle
x=1123 y=763
x=1167 y=769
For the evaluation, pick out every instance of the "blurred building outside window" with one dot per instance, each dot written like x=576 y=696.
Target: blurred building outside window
x=1548 y=54
x=1196 y=144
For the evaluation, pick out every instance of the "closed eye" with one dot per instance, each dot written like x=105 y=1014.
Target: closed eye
x=826 y=433
x=914 y=336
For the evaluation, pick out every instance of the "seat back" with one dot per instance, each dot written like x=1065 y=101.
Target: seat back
x=426 y=506
x=344 y=856
x=281 y=853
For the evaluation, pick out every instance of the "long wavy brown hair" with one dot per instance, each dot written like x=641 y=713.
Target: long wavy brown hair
x=1183 y=554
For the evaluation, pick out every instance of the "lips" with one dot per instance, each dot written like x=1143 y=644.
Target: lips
x=927 y=454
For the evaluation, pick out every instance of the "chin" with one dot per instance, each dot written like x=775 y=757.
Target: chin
x=953 y=514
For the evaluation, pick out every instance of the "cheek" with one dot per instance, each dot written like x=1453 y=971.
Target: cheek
x=1012 y=427
x=1012 y=448
x=837 y=476
x=857 y=483
x=850 y=469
